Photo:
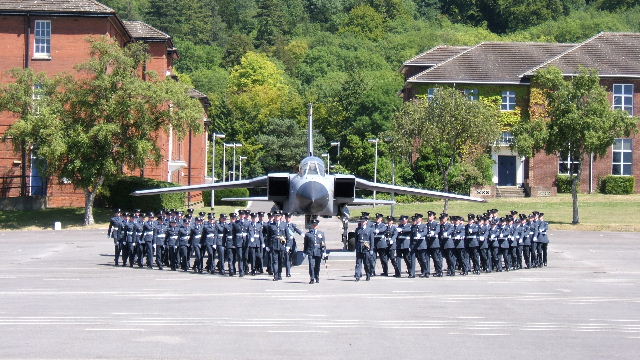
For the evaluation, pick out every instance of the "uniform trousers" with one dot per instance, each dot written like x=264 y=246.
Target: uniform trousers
x=436 y=256
x=197 y=253
x=451 y=260
x=277 y=262
x=118 y=250
x=173 y=256
x=252 y=257
x=383 y=254
x=220 y=255
x=159 y=255
x=421 y=256
x=474 y=255
x=314 y=267
x=183 y=253
x=363 y=258
x=485 y=259
x=504 y=256
x=131 y=252
x=394 y=261
x=534 y=254
x=495 y=252
x=461 y=258
x=402 y=254
x=148 y=246
x=207 y=250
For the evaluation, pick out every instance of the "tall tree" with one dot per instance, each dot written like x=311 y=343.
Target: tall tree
x=190 y=20
x=271 y=22
x=574 y=118
x=450 y=126
x=106 y=120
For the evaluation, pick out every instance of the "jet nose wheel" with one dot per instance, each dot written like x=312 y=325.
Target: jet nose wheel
x=312 y=196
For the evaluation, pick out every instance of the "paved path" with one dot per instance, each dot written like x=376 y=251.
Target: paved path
x=61 y=297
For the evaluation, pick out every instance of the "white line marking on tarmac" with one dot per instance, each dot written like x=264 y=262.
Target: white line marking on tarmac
x=489 y=334
x=59 y=279
x=105 y=329
x=298 y=331
x=274 y=290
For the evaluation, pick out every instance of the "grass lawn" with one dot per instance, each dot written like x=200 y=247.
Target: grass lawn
x=71 y=218
x=597 y=212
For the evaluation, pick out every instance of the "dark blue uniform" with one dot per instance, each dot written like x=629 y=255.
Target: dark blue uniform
x=471 y=242
x=365 y=247
x=419 y=249
x=255 y=244
x=446 y=242
x=433 y=243
x=290 y=247
x=382 y=246
x=195 y=242
x=208 y=243
x=314 y=248
x=172 y=235
x=277 y=245
x=148 y=228
x=114 y=233
x=160 y=242
x=403 y=247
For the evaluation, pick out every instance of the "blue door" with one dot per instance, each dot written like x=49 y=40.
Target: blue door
x=506 y=170
x=38 y=187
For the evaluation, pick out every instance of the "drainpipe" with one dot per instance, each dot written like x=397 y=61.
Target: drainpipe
x=27 y=64
x=190 y=167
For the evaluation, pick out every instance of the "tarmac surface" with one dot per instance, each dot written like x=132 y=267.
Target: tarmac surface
x=62 y=298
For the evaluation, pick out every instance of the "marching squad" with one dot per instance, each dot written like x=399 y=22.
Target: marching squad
x=482 y=243
x=247 y=243
x=238 y=244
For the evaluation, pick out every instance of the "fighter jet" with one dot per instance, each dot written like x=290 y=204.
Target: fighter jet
x=311 y=191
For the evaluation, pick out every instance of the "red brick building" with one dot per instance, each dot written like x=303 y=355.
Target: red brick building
x=50 y=36
x=505 y=69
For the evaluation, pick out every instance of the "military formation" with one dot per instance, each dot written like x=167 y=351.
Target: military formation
x=238 y=244
x=248 y=243
x=481 y=243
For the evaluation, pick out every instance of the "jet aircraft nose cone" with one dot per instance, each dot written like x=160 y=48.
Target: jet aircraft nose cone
x=312 y=196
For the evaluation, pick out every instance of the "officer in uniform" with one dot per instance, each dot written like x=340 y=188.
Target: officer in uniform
x=503 y=241
x=260 y=256
x=447 y=244
x=381 y=245
x=403 y=244
x=433 y=244
x=494 y=244
x=221 y=242
x=160 y=240
x=129 y=248
x=533 y=233
x=392 y=235
x=365 y=247
x=172 y=236
x=139 y=240
x=277 y=242
x=114 y=233
x=419 y=247
x=195 y=241
x=471 y=239
x=458 y=240
x=184 y=237
x=290 y=247
x=543 y=240
x=255 y=243
x=483 y=244
x=208 y=243
x=147 y=235
x=315 y=248
x=267 y=235
x=239 y=241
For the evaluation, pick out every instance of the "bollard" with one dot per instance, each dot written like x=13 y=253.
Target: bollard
x=57 y=225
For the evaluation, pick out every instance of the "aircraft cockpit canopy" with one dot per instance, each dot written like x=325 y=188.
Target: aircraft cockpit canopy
x=312 y=166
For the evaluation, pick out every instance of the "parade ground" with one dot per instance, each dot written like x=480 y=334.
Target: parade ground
x=62 y=298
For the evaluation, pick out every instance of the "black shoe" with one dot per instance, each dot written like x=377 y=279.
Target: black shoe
x=275 y=279
x=159 y=267
x=311 y=281
x=368 y=278
x=357 y=279
x=412 y=276
x=317 y=281
x=116 y=262
x=426 y=276
x=288 y=275
x=279 y=277
x=397 y=276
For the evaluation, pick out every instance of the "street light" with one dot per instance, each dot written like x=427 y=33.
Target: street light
x=241 y=158
x=337 y=143
x=328 y=163
x=375 y=167
x=214 y=136
x=224 y=160
x=235 y=145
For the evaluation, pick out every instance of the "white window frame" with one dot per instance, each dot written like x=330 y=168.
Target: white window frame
x=626 y=100
x=568 y=162
x=472 y=94
x=508 y=100
x=621 y=164
x=37 y=96
x=42 y=39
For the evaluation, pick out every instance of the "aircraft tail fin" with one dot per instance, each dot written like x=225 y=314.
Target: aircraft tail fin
x=310 y=139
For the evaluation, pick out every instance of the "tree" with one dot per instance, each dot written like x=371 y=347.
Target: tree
x=184 y=19
x=105 y=121
x=450 y=126
x=364 y=21
x=271 y=22
x=574 y=118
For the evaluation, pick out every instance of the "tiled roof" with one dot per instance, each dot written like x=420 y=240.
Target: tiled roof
x=492 y=62
x=436 y=55
x=54 y=6
x=612 y=54
x=141 y=30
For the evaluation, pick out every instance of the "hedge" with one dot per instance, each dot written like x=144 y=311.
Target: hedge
x=617 y=185
x=563 y=183
x=226 y=193
x=117 y=194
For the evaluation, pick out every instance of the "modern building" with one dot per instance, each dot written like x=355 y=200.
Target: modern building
x=503 y=71
x=50 y=36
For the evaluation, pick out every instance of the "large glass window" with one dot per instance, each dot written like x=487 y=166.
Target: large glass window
x=472 y=94
x=622 y=157
x=42 y=47
x=431 y=92
x=566 y=163
x=508 y=101
x=623 y=97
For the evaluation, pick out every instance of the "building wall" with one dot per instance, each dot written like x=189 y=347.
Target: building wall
x=544 y=168
x=69 y=48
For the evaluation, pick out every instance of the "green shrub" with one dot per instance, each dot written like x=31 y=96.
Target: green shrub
x=226 y=193
x=563 y=183
x=117 y=194
x=617 y=185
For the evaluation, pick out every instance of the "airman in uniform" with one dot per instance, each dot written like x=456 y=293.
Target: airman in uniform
x=315 y=248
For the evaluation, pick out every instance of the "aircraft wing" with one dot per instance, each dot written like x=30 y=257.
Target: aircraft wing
x=249 y=183
x=255 y=198
x=368 y=185
x=371 y=202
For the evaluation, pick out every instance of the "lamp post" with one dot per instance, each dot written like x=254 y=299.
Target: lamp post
x=241 y=158
x=214 y=136
x=235 y=145
x=328 y=161
x=337 y=143
x=224 y=160
x=375 y=167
